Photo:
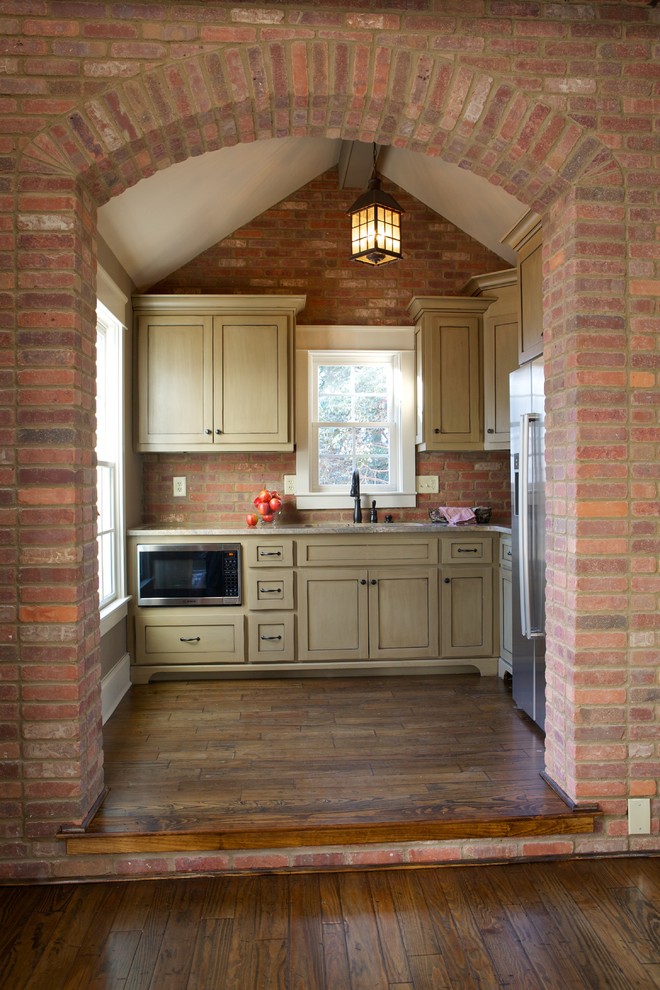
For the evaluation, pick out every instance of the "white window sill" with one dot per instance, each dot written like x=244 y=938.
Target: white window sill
x=114 y=613
x=386 y=500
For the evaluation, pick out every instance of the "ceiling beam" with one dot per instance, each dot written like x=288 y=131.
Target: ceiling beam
x=356 y=164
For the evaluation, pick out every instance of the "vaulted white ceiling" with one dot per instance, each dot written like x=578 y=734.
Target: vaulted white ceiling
x=165 y=221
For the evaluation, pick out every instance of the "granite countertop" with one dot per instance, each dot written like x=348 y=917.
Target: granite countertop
x=312 y=529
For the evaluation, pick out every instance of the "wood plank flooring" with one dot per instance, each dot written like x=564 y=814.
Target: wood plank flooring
x=313 y=761
x=533 y=926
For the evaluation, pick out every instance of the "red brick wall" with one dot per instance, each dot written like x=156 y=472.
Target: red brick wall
x=220 y=489
x=283 y=251
x=303 y=245
x=556 y=102
x=56 y=756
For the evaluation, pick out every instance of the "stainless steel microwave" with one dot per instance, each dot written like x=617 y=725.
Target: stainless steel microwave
x=189 y=574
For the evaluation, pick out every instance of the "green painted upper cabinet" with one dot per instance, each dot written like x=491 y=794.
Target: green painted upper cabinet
x=448 y=341
x=215 y=372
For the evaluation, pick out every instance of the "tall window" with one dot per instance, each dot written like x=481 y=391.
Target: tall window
x=355 y=410
x=109 y=426
x=354 y=421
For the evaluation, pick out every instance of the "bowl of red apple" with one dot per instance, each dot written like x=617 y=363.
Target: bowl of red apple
x=267 y=504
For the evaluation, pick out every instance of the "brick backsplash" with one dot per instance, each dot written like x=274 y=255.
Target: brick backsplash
x=220 y=487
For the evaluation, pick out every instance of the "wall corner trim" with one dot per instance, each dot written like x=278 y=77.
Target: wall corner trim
x=114 y=686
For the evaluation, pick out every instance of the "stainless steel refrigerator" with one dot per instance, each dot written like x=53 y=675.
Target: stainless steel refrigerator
x=528 y=537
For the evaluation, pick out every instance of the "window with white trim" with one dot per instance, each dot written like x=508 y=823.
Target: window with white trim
x=353 y=421
x=355 y=412
x=109 y=456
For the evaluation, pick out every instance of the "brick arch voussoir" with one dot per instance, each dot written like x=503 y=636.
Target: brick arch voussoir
x=417 y=100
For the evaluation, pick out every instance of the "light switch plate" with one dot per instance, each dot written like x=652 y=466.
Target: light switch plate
x=426 y=484
x=639 y=816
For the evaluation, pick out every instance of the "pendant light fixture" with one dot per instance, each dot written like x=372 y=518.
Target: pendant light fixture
x=375 y=225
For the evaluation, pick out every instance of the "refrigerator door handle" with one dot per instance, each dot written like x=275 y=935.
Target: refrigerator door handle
x=529 y=629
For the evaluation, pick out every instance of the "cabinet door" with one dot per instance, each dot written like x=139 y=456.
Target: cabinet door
x=175 y=381
x=506 y=616
x=449 y=370
x=332 y=615
x=251 y=377
x=466 y=611
x=530 y=274
x=403 y=613
x=500 y=359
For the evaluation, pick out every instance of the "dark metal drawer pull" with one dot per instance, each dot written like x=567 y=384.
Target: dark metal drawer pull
x=271 y=637
x=465 y=550
x=270 y=591
x=270 y=553
x=189 y=639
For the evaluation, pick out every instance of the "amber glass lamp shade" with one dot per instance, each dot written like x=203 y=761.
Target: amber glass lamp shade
x=375 y=226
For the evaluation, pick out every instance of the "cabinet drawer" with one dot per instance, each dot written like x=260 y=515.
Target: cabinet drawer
x=268 y=589
x=271 y=638
x=466 y=550
x=269 y=552
x=182 y=639
x=506 y=553
x=338 y=550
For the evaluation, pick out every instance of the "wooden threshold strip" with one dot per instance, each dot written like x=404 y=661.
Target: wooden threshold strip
x=297 y=836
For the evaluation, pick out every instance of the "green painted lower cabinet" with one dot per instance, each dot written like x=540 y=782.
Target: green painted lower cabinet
x=334 y=601
x=368 y=614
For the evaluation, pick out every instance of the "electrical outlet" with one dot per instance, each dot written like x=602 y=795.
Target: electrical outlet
x=639 y=816
x=178 y=487
x=289 y=484
x=426 y=484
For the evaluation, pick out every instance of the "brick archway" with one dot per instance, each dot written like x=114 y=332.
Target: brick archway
x=414 y=100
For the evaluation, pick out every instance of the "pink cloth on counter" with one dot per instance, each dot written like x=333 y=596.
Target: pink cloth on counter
x=456 y=516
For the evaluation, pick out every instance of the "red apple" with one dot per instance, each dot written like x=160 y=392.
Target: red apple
x=252 y=519
x=263 y=508
x=268 y=517
x=275 y=503
x=264 y=495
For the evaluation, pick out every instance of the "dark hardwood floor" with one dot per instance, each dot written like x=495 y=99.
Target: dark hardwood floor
x=313 y=761
x=534 y=926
